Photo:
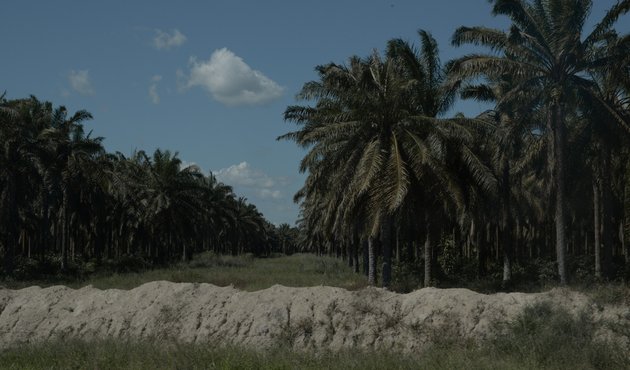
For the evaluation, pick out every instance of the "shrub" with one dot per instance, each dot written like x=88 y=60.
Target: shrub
x=545 y=336
x=127 y=263
x=449 y=259
x=406 y=276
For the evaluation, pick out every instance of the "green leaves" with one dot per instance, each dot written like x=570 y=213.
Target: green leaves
x=375 y=143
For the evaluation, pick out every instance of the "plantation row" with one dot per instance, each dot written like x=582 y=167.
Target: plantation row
x=538 y=187
x=65 y=201
x=540 y=182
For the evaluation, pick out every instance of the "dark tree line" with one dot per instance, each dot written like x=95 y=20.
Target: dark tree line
x=64 y=200
x=543 y=176
x=540 y=181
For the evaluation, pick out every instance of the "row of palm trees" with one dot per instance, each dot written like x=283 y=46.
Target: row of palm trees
x=64 y=198
x=546 y=172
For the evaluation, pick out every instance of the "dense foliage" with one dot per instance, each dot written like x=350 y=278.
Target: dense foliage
x=65 y=203
x=540 y=182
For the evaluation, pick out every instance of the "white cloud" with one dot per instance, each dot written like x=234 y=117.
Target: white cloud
x=153 y=93
x=164 y=40
x=193 y=166
x=243 y=174
x=231 y=81
x=80 y=82
x=269 y=194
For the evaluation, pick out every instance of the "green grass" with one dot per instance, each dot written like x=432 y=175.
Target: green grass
x=611 y=293
x=542 y=337
x=133 y=355
x=120 y=355
x=244 y=272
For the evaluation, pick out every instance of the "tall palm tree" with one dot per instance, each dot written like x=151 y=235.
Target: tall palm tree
x=373 y=135
x=509 y=127
x=546 y=51
x=441 y=148
x=12 y=153
x=355 y=143
x=73 y=152
x=607 y=139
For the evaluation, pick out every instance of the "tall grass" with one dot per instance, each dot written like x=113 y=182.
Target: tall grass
x=243 y=272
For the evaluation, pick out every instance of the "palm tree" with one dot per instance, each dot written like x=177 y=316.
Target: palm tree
x=373 y=135
x=248 y=231
x=509 y=127
x=12 y=154
x=63 y=197
x=351 y=127
x=285 y=234
x=219 y=204
x=73 y=153
x=440 y=148
x=607 y=138
x=544 y=51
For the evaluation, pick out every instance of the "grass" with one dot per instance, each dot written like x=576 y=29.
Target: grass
x=611 y=293
x=243 y=272
x=542 y=337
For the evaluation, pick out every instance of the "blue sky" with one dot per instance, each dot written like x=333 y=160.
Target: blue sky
x=210 y=79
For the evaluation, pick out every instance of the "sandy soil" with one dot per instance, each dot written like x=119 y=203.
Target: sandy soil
x=304 y=318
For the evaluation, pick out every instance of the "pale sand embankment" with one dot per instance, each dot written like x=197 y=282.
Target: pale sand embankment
x=305 y=318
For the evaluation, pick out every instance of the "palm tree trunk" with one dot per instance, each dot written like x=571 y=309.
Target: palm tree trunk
x=558 y=129
x=427 y=253
x=386 y=242
x=355 y=254
x=427 y=260
x=348 y=246
x=64 y=231
x=397 y=241
x=625 y=222
x=372 y=260
x=624 y=247
x=607 y=223
x=366 y=256
x=9 y=222
x=506 y=223
x=596 y=230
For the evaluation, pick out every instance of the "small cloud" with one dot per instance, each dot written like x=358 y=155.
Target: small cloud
x=231 y=81
x=80 y=82
x=165 y=41
x=269 y=194
x=243 y=174
x=153 y=94
x=190 y=165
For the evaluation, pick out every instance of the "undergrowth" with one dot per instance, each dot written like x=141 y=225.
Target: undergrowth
x=244 y=272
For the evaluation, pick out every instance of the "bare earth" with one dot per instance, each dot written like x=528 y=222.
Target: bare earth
x=305 y=318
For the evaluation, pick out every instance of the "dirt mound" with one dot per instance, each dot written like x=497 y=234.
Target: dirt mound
x=305 y=318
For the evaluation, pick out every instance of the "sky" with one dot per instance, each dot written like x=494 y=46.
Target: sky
x=211 y=79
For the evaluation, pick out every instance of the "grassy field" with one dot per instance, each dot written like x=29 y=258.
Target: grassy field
x=244 y=272
x=300 y=270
